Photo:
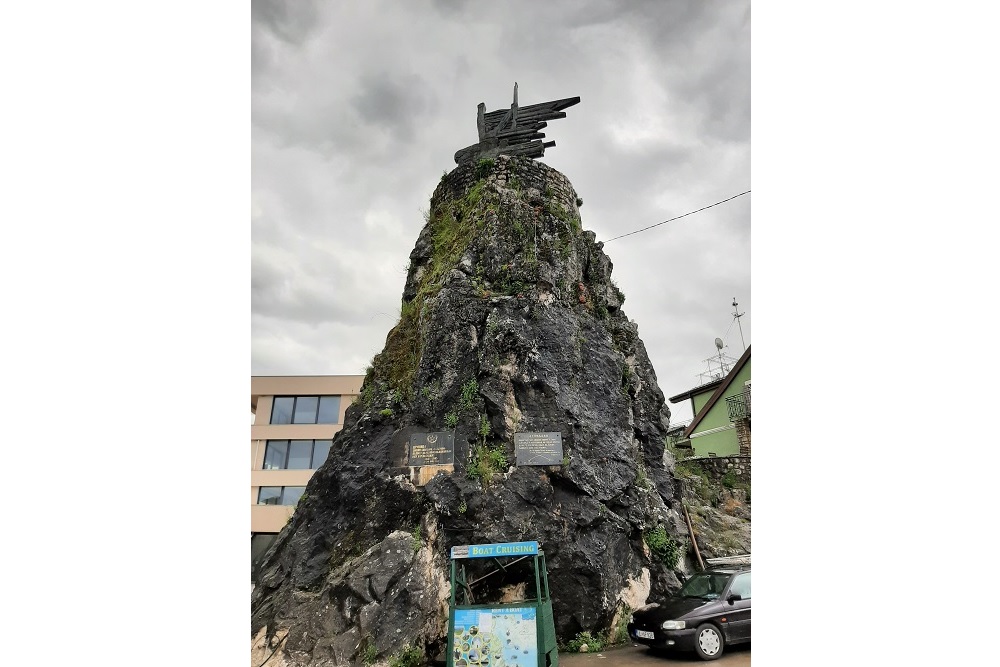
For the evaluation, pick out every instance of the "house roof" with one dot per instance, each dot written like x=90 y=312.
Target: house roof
x=720 y=390
x=691 y=393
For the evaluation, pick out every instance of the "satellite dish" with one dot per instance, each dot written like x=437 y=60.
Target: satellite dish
x=718 y=343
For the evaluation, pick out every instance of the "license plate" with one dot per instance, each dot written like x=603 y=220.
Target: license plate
x=643 y=634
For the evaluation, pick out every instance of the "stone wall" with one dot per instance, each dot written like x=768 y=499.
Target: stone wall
x=743 y=436
x=717 y=466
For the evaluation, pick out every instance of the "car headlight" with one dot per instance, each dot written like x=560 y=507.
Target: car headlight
x=673 y=625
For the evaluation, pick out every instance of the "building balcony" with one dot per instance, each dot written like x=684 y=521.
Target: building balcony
x=739 y=406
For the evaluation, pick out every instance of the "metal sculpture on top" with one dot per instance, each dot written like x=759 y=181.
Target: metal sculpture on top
x=514 y=131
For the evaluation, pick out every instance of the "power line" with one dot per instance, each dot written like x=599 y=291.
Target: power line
x=678 y=217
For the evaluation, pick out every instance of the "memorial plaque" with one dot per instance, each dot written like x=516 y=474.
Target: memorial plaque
x=538 y=449
x=432 y=449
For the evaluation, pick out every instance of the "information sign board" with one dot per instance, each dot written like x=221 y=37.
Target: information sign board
x=495 y=636
x=538 y=449
x=495 y=550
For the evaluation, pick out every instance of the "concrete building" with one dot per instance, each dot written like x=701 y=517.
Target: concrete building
x=294 y=421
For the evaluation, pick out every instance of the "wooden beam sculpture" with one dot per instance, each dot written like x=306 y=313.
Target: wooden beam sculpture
x=514 y=131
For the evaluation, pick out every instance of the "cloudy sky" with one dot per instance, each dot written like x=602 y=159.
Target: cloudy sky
x=359 y=107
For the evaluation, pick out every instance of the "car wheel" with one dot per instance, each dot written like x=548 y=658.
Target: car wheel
x=708 y=642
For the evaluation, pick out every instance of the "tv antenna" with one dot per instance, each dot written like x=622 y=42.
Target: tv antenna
x=717 y=368
x=737 y=314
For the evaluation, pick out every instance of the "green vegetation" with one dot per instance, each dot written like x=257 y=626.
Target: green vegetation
x=395 y=367
x=385 y=412
x=463 y=508
x=487 y=462
x=518 y=230
x=680 y=453
x=431 y=391
x=369 y=653
x=618 y=633
x=570 y=219
x=508 y=285
x=702 y=484
x=416 y=538
x=452 y=227
x=641 y=478
x=512 y=288
x=466 y=403
x=484 y=428
x=410 y=656
x=492 y=327
x=484 y=167
x=691 y=468
x=469 y=392
x=593 y=643
x=664 y=547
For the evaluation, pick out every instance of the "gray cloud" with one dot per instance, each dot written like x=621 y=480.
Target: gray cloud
x=290 y=22
x=358 y=108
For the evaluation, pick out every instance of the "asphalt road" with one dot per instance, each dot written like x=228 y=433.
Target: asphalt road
x=635 y=655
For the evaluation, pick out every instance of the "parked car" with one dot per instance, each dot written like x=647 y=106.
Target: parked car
x=708 y=613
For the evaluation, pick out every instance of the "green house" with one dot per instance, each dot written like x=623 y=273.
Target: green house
x=721 y=409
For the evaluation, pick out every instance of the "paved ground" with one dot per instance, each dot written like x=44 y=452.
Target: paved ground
x=634 y=655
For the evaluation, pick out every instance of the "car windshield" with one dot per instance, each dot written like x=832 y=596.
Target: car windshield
x=704 y=586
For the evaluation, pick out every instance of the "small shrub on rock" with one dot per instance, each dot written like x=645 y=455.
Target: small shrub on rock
x=664 y=547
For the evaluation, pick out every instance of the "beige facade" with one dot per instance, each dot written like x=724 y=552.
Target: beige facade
x=270 y=518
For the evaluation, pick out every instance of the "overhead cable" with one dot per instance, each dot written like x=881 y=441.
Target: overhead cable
x=679 y=217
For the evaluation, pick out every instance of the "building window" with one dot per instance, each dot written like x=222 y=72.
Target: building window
x=305 y=410
x=269 y=495
x=279 y=495
x=296 y=454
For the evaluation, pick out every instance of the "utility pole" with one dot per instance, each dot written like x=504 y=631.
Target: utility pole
x=737 y=314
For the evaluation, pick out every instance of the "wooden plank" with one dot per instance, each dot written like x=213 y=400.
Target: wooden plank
x=514 y=130
x=694 y=542
x=520 y=135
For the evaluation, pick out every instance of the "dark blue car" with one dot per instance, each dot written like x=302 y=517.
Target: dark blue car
x=709 y=612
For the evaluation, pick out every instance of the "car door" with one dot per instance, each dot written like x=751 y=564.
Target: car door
x=736 y=615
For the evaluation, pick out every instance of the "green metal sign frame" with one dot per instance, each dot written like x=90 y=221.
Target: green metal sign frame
x=518 y=634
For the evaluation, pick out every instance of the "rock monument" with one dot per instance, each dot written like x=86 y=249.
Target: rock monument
x=512 y=340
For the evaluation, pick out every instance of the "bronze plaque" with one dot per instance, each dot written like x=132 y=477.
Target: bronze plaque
x=538 y=449
x=432 y=449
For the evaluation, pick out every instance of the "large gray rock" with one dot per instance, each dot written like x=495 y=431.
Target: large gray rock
x=510 y=323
